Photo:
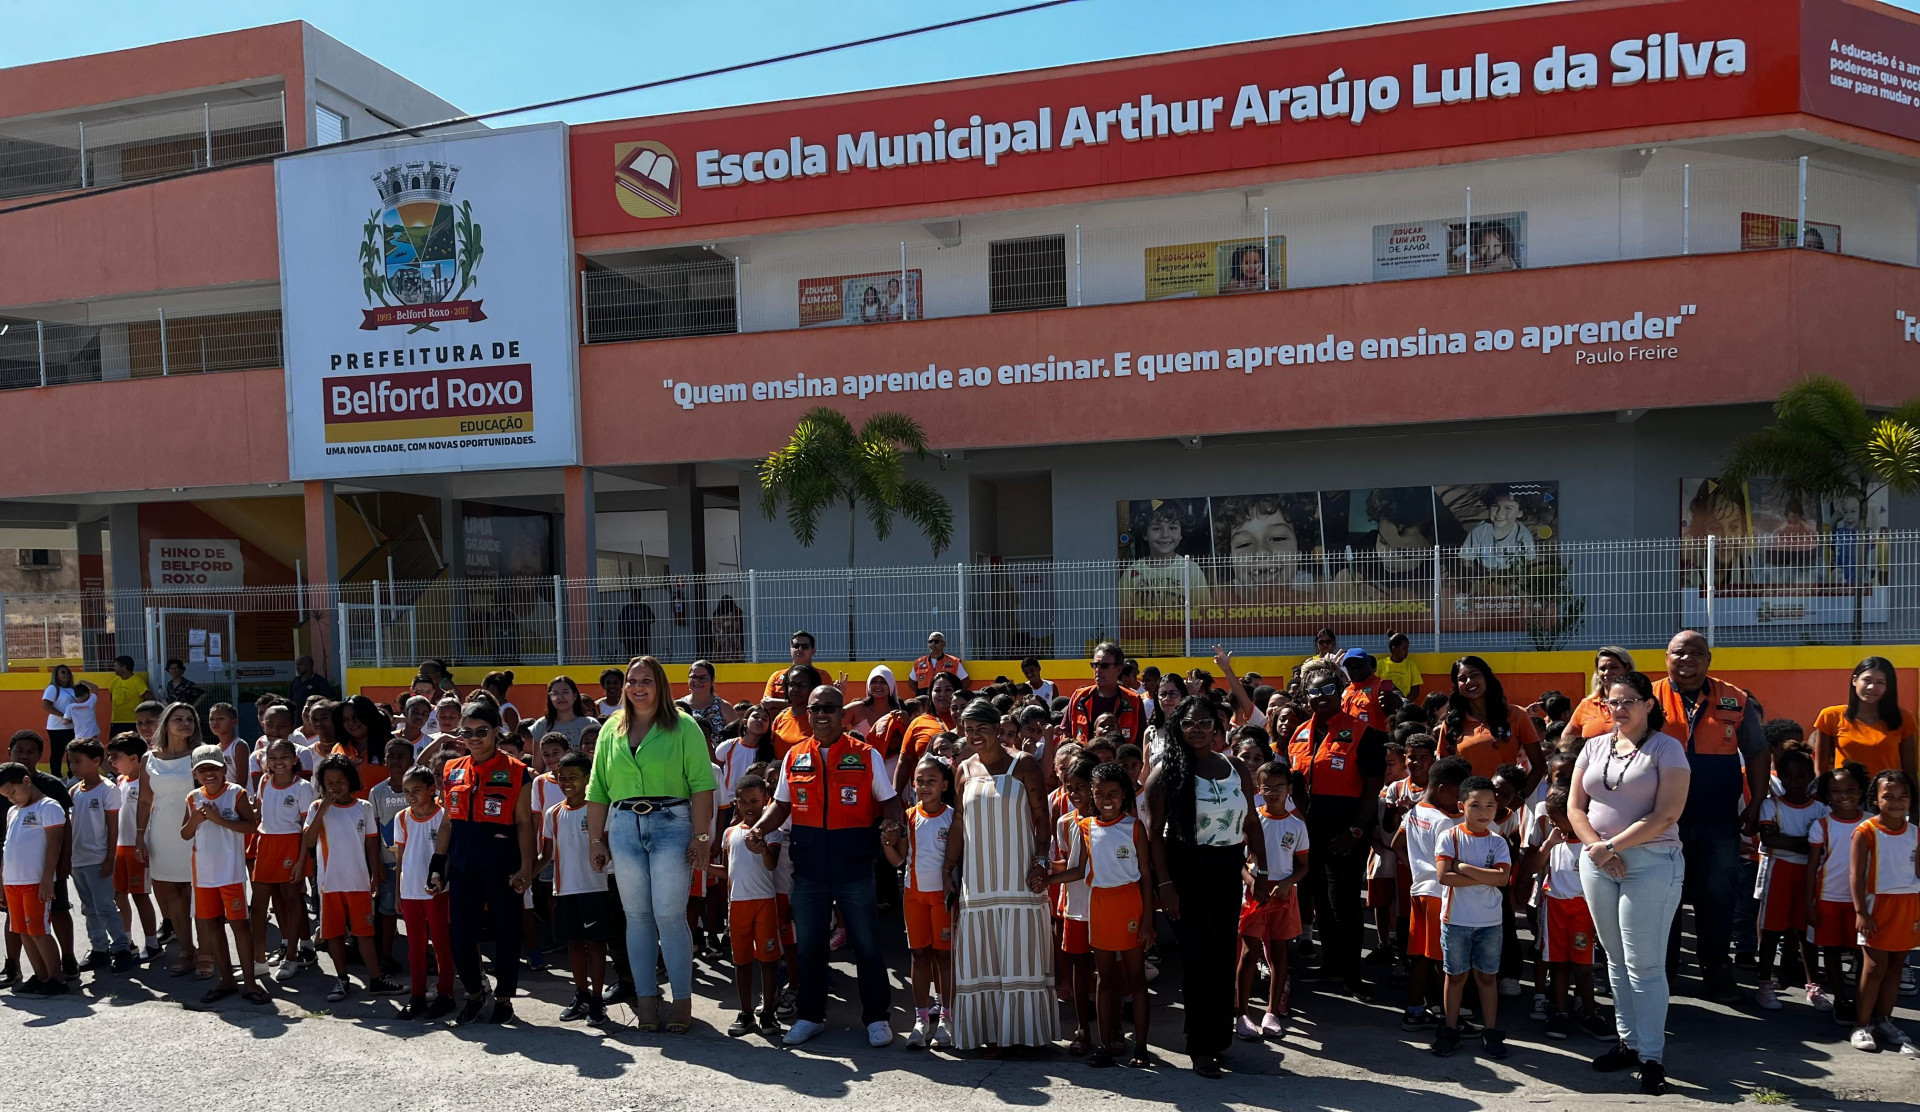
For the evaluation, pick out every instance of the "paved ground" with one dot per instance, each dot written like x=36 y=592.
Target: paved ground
x=156 y=1055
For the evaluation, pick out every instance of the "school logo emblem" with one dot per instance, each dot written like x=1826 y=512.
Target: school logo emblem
x=1286 y=841
x=646 y=179
x=1123 y=853
x=418 y=251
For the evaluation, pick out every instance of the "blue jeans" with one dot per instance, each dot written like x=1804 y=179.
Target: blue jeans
x=1633 y=915
x=1713 y=889
x=650 y=866
x=813 y=903
x=103 y=917
x=1470 y=948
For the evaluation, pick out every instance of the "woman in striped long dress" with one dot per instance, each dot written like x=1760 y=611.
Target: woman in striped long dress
x=1003 y=937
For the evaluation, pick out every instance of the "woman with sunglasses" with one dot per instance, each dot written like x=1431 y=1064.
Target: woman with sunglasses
x=651 y=788
x=1338 y=762
x=483 y=858
x=1201 y=822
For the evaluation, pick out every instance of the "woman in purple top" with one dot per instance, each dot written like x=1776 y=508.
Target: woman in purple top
x=1629 y=787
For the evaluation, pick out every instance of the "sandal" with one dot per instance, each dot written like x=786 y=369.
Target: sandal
x=256 y=996
x=218 y=993
x=646 y=1014
x=1078 y=1047
x=180 y=968
x=680 y=1017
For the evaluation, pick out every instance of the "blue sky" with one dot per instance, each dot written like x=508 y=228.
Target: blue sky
x=488 y=54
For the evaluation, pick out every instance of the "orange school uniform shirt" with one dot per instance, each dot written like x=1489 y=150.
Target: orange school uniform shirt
x=1875 y=746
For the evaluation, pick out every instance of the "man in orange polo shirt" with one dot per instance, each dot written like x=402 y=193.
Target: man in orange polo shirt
x=1721 y=728
x=800 y=645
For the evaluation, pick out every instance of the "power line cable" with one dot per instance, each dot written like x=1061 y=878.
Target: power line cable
x=416 y=130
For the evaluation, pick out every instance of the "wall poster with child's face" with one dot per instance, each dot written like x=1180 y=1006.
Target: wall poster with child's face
x=1780 y=559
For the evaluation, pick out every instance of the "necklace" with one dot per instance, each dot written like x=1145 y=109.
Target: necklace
x=1626 y=765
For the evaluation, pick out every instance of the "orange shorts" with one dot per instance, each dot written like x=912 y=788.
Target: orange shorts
x=1897 y=916
x=696 y=889
x=1074 y=938
x=26 y=911
x=1783 y=904
x=1423 y=930
x=1277 y=920
x=277 y=859
x=1114 y=918
x=1835 y=928
x=929 y=923
x=1569 y=932
x=754 y=926
x=228 y=901
x=343 y=913
x=129 y=873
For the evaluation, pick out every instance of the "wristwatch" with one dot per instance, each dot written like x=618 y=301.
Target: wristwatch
x=703 y=837
x=1609 y=844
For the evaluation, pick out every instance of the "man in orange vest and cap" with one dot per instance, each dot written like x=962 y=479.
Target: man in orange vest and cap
x=835 y=788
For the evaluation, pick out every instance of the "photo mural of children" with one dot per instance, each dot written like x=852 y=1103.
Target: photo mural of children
x=1156 y=536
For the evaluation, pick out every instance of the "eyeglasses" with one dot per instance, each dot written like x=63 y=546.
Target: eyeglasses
x=825 y=710
x=1622 y=704
x=1324 y=689
x=799 y=645
x=1106 y=664
x=469 y=731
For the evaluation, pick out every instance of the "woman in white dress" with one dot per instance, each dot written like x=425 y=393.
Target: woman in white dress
x=1003 y=933
x=166 y=779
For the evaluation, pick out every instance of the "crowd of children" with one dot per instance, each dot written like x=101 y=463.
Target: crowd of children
x=330 y=830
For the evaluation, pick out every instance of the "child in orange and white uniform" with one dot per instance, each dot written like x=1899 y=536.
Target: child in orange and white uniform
x=130 y=888
x=1782 y=826
x=753 y=910
x=1396 y=799
x=1072 y=900
x=1829 y=892
x=424 y=912
x=1474 y=863
x=94 y=829
x=932 y=832
x=1269 y=922
x=279 y=866
x=220 y=817
x=341 y=828
x=1415 y=844
x=1886 y=908
x=1567 y=935
x=36 y=832
x=1112 y=854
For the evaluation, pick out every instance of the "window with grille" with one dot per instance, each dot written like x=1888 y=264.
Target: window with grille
x=38 y=558
x=1028 y=273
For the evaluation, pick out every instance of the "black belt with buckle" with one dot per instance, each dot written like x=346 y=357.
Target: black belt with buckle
x=645 y=806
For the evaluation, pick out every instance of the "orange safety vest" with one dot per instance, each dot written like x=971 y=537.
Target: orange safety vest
x=887 y=732
x=1362 y=701
x=832 y=790
x=485 y=792
x=1128 y=711
x=1717 y=733
x=1331 y=768
x=924 y=669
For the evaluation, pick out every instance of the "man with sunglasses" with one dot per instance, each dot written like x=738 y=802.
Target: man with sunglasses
x=935 y=662
x=1105 y=695
x=800 y=645
x=836 y=790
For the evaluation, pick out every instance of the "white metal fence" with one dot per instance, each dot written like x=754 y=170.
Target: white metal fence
x=1835 y=586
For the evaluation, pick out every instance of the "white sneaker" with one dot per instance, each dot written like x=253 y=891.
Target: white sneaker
x=1767 y=995
x=287 y=971
x=1509 y=986
x=1909 y=984
x=804 y=1029
x=1817 y=996
x=1863 y=1040
x=942 y=1035
x=879 y=1033
x=1246 y=1029
x=917 y=1037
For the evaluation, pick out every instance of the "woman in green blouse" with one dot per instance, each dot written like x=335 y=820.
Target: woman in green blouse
x=650 y=812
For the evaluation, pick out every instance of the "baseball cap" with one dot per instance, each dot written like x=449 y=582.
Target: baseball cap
x=208 y=755
x=1352 y=655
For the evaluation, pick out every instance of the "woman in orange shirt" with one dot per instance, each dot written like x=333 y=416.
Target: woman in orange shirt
x=1483 y=727
x=1872 y=728
x=1591 y=718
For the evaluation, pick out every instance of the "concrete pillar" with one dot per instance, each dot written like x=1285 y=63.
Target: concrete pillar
x=96 y=652
x=582 y=549
x=322 y=572
x=123 y=581
x=687 y=555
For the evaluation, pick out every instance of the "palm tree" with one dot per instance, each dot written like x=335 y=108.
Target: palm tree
x=1826 y=444
x=826 y=462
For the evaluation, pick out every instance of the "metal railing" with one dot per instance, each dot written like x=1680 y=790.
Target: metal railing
x=1286 y=236
x=110 y=146
x=1837 y=585
x=105 y=346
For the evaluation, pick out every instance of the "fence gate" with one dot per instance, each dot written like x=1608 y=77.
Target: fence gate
x=203 y=639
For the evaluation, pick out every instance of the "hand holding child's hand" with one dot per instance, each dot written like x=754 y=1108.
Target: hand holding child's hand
x=601 y=857
x=1864 y=921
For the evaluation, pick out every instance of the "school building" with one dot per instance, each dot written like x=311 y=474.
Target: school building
x=1443 y=326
